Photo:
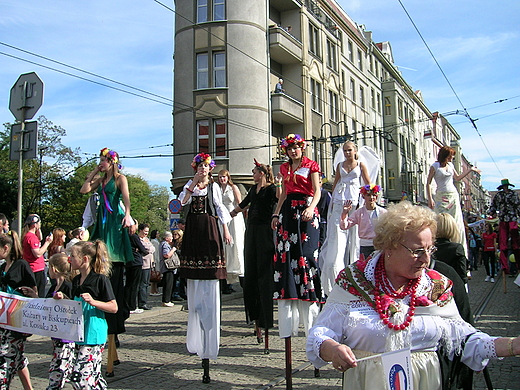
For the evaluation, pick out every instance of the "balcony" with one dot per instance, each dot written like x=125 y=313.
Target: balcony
x=285 y=5
x=286 y=109
x=284 y=47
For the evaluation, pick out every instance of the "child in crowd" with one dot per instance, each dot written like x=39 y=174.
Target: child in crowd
x=76 y=235
x=91 y=287
x=15 y=273
x=365 y=217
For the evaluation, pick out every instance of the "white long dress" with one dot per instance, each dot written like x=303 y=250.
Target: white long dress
x=341 y=247
x=447 y=198
x=234 y=252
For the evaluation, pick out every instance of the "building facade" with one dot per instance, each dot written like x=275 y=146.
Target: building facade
x=337 y=85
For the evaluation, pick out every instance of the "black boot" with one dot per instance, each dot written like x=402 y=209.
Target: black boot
x=205 y=366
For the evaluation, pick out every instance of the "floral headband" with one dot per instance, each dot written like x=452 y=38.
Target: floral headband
x=112 y=156
x=292 y=139
x=203 y=158
x=373 y=188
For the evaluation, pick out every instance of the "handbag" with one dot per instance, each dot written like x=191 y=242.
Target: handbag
x=172 y=262
x=155 y=276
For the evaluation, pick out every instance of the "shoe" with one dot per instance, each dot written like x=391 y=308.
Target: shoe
x=145 y=307
x=488 y=278
x=157 y=294
x=492 y=280
x=168 y=304
x=136 y=311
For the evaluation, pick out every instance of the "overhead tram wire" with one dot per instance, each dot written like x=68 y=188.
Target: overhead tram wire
x=472 y=121
x=171 y=104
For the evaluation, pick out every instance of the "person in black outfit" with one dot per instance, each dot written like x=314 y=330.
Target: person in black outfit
x=259 y=249
x=448 y=250
x=133 y=271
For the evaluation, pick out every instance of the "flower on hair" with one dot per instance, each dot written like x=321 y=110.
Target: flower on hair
x=202 y=158
x=290 y=140
x=373 y=188
x=112 y=156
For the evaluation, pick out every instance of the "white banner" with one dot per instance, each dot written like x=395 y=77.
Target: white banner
x=398 y=370
x=61 y=318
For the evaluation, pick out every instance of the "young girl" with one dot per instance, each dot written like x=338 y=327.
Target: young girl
x=488 y=255
x=91 y=287
x=63 y=350
x=15 y=273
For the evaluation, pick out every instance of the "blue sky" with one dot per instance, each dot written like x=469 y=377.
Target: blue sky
x=132 y=43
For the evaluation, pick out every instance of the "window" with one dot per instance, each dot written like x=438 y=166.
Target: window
x=220 y=138
x=379 y=103
x=202 y=71
x=391 y=179
x=372 y=99
x=214 y=142
x=371 y=63
x=217 y=7
x=219 y=69
x=343 y=82
x=316 y=95
x=362 y=97
x=350 y=51
x=331 y=55
x=202 y=11
x=400 y=108
x=314 y=39
x=333 y=106
x=352 y=90
x=360 y=60
x=388 y=106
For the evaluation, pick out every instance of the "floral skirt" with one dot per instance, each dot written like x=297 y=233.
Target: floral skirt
x=296 y=272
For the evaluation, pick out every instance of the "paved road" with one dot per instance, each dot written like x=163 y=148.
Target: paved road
x=153 y=354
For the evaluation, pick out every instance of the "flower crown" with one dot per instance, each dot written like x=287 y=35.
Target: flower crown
x=203 y=158
x=290 y=140
x=374 y=188
x=111 y=155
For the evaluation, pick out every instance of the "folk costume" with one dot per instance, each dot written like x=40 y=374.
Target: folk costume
x=203 y=265
x=353 y=316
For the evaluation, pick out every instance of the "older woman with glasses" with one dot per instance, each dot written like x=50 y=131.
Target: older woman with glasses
x=393 y=301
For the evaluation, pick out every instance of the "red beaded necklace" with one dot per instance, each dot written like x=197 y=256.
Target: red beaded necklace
x=383 y=287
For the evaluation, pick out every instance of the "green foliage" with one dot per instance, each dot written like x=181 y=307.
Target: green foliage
x=148 y=203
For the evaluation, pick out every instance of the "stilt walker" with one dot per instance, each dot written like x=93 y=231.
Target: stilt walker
x=202 y=260
x=259 y=250
x=296 y=222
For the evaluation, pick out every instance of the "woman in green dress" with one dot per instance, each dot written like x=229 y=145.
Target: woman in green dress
x=111 y=220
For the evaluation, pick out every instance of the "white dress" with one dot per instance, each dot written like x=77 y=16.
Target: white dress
x=447 y=198
x=341 y=247
x=234 y=252
x=350 y=319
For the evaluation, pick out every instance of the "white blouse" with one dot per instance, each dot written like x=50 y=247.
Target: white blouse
x=222 y=211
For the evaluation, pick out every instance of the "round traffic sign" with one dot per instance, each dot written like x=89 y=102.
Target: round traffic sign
x=175 y=206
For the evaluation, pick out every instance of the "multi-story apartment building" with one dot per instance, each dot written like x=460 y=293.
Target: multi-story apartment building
x=338 y=85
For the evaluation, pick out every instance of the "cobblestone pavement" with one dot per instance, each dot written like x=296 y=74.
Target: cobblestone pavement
x=153 y=354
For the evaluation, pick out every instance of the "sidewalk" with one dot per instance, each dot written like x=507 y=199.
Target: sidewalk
x=153 y=354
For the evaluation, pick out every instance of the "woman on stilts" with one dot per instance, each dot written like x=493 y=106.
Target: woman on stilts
x=259 y=250
x=111 y=221
x=202 y=260
x=296 y=222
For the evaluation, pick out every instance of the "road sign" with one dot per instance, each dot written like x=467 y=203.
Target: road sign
x=175 y=206
x=26 y=96
x=174 y=221
x=30 y=141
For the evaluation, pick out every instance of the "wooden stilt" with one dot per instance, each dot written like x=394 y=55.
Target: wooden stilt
x=258 y=331
x=205 y=376
x=266 y=338
x=111 y=355
x=288 y=364
x=504 y=278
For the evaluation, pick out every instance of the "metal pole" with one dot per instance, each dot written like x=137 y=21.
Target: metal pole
x=20 y=163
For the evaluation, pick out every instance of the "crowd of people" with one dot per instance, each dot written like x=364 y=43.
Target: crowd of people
x=362 y=279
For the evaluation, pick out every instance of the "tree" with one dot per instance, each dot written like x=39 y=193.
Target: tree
x=148 y=203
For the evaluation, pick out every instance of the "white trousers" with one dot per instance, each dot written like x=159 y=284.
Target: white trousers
x=291 y=312
x=203 y=336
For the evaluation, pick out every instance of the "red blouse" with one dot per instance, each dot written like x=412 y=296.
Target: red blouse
x=489 y=241
x=299 y=182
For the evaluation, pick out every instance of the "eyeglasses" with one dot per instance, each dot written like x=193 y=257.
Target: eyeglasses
x=421 y=251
